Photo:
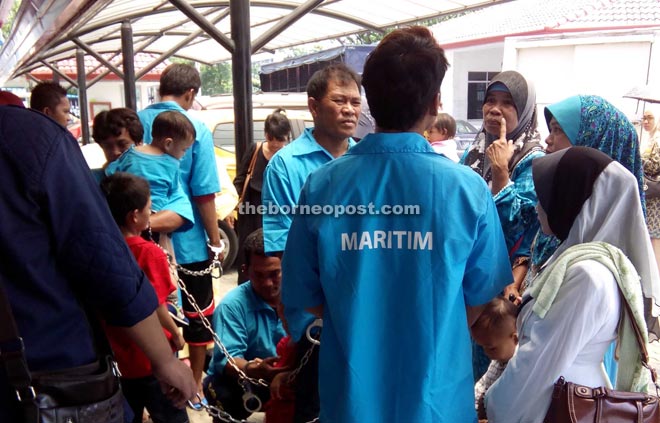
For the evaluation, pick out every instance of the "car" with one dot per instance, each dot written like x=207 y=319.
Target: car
x=218 y=115
x=465 y=135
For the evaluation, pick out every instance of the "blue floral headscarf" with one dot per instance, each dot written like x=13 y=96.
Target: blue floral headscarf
x=591 y=121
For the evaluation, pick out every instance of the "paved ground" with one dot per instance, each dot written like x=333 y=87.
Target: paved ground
x=221 y=287
x=228 y=281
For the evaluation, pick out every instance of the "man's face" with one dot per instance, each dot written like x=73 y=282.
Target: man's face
x=336 y=114
x=61 y=112
x=113 y=147
x=265 y=275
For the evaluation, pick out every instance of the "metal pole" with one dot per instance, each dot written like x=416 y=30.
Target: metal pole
x=128 y=62
x=201 y=21
x=284 y=23
x=82 y=95
x=242 y=76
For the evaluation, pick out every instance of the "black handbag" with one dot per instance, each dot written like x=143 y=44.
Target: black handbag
x=84 y=394
x=652 y=186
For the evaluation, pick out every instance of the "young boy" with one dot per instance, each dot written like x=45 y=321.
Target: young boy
x=159 y=161
x=495 y=331
x=130 y=204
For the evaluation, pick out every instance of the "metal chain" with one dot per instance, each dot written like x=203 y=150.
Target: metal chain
x=294 y=373
x=220 y=414
x=216 y=339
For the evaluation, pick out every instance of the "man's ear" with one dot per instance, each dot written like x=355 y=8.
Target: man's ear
x=312 y=105
x=47 y=112
x=436 y=105
x=243 y=268
x=515 y=337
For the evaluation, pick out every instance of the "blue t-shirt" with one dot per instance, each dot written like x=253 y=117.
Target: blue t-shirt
x=162 y=173
x=395 y=344
x=59 y=246
x=199 y=176
x=248 y=327
x=284 y=177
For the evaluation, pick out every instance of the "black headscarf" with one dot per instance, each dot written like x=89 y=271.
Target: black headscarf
x=564 y=181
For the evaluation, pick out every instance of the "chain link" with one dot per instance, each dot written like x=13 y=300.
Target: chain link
x=241 y=374
x=219 y=413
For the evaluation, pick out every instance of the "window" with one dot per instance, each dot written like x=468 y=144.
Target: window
x=477 y=83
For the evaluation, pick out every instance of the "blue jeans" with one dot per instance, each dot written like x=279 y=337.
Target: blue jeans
x=144 y=393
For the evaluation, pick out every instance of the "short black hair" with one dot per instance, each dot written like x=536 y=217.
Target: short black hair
x=47 y=94
x=124 y=193
x=277 y=125
x=402 y=76
x=109 y=123
x=172 y=124
x=254 y=244
x=178 y=78
x=317 y=86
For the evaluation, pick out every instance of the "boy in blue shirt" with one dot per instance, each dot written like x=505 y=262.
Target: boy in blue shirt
x=159 y=162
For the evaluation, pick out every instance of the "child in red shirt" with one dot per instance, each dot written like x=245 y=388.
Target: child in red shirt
x=129 y=200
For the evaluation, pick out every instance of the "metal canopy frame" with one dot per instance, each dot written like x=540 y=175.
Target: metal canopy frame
x=47 y=31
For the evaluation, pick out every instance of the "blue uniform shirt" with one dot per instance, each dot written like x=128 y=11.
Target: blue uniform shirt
x=248 y=327
x=284 y=177
x=162 y=173
x=199 y=176
x=395 y=342
x=58 y=238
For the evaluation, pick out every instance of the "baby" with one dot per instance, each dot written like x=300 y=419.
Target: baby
x=495 y=331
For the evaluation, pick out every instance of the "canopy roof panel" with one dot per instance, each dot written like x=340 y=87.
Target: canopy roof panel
x=51 y=30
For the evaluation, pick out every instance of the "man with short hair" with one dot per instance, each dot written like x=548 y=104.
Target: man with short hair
x=393 y=289
x=50 y=98
x=179 y=84
x=247 y=323
x=335 y=103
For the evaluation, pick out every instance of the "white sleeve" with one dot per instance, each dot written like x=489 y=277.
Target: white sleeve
x=549 y=346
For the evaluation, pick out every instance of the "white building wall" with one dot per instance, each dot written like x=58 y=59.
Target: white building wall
x=483 y=58
x=608 y=65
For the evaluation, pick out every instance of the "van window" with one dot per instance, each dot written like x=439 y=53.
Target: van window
x=224 y=134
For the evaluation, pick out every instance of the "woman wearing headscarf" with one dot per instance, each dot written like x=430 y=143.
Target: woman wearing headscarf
x=572 y=309
x=591 y=121
x=502 y=154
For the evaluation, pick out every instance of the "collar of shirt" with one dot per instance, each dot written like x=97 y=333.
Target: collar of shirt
x=167 y=105
x=392 y=142
x=256 y=302
x=306 y=144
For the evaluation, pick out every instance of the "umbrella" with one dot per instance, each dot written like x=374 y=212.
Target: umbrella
x=648 y=93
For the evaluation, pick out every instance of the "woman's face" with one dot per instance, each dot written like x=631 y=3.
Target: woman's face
x=543 y=219
x=648 y=121
x=557 y=140
x=499 y=105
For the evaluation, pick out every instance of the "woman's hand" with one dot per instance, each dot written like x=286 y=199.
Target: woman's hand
x=499 y=153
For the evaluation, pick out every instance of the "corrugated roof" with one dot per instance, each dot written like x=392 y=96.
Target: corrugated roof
x=94 y=68
x=543 y=16
x=158 y=26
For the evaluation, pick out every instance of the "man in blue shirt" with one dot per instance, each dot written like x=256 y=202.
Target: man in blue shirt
x=393 y=288
x=61 y=250
x=179 y=84
x=247 y=323
x=335 y=103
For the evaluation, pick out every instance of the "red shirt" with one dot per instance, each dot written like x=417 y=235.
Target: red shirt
x=153 y=261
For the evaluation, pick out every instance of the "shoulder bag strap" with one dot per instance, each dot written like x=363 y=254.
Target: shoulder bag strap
x=643 y=352
x=253 y=161
x=12 y=356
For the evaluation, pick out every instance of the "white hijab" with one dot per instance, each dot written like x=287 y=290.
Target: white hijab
x=613 y=214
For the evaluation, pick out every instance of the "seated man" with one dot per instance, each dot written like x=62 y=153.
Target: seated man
x=247 y=323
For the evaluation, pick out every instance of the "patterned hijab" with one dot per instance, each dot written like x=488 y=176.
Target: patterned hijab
x=591 y=121
x=524 y=98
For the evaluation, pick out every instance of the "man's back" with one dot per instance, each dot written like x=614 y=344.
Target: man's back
x=394 y=287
